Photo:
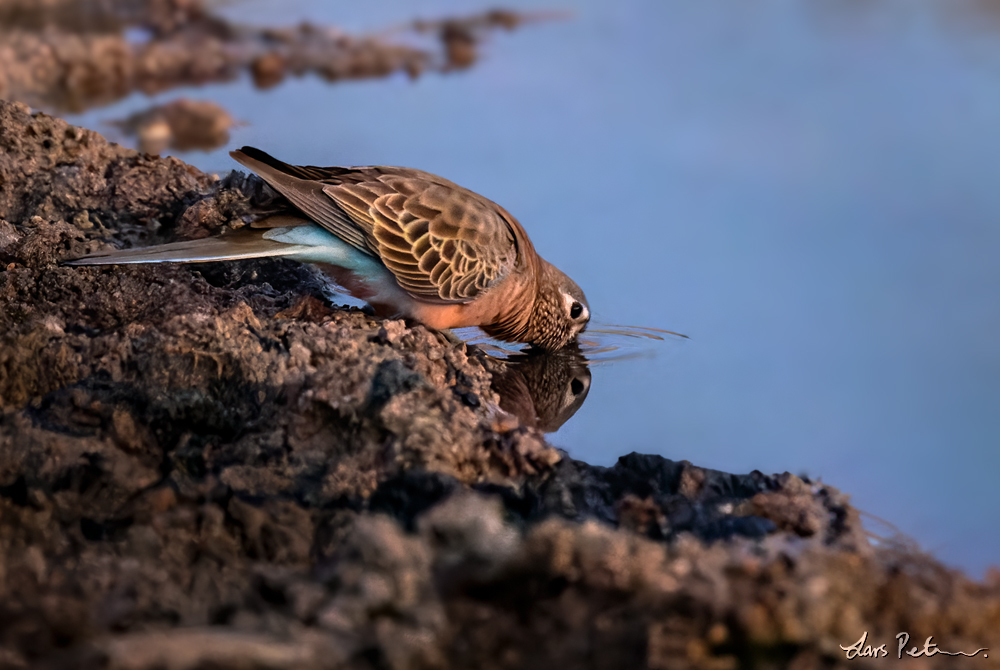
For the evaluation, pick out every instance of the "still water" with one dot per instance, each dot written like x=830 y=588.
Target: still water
x=809 y=190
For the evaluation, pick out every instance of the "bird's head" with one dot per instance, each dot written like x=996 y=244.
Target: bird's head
x=560 y=311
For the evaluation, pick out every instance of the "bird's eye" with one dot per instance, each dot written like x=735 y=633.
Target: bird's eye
x=575 y=310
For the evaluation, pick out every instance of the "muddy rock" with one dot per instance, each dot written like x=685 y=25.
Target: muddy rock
x=213 y=466
x=77 y=54
x=182 y=124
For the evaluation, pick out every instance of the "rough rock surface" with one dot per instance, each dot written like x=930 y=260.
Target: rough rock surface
x=210 y=467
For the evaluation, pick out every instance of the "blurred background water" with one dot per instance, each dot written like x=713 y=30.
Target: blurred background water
x=809 y=190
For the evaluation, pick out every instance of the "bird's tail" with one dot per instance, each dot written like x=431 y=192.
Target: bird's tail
x=236 y=246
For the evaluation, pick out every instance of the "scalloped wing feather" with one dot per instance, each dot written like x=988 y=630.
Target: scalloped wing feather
x=443 y=243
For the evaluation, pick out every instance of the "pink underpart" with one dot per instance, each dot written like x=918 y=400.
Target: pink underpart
x=389 y=300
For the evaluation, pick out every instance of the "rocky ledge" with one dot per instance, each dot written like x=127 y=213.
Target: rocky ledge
x=212 y=467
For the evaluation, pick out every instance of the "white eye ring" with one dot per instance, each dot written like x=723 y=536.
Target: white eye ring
x=570 y=302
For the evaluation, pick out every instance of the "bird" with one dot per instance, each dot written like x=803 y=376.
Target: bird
x=409 y=243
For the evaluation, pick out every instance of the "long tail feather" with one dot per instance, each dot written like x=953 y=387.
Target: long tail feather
x=248 y=244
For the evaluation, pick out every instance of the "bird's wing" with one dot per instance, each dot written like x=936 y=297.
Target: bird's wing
x=443 y=243
x=303 y=186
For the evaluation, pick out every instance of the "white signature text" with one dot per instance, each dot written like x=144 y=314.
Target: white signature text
x=861 y=649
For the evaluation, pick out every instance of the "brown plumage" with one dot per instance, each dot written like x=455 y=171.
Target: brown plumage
x=464 y=259
x=543 y=389
x=442 y=254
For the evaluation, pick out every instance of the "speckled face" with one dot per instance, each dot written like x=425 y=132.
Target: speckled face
x=560 y=312
x=558 y=383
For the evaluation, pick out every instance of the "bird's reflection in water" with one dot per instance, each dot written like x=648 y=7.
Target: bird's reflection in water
x=545 y=389
x=542 y=389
